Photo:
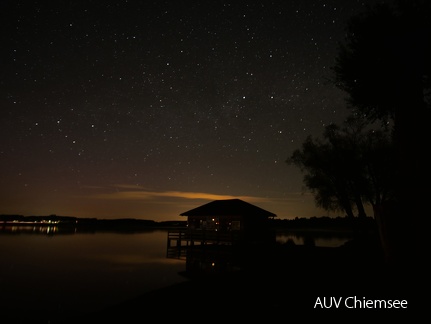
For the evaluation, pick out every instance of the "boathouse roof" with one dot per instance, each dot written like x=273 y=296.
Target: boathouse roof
x=227 y=207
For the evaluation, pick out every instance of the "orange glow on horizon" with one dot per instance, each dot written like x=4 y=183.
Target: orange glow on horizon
x=142 y=194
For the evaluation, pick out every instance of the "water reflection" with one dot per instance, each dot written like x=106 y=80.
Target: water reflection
x=209 y=259
x=29 y=229
x=327 y=239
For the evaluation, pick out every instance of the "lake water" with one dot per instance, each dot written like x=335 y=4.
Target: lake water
x=51 y=274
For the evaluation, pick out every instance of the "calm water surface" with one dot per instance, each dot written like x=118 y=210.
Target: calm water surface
x=81 y=272
x=60 y=273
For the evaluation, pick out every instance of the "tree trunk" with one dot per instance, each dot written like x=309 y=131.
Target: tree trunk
x=360 y=207
x=392 y=232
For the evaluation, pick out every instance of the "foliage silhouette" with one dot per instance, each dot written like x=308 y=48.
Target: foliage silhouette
x=347 y=169
x=384 y=66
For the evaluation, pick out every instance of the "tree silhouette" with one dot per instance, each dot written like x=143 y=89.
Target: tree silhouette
x=384 y=66
x=347 y=169
x=384 y=62
x=322 y=176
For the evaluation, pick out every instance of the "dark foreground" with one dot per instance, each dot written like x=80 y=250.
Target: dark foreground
x=282 y=284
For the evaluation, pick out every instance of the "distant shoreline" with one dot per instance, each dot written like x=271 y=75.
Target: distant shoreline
x=67 y=224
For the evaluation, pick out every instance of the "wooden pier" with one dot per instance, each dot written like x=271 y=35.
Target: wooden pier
x=180 y=238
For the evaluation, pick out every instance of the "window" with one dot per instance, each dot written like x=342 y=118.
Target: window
x=235 y=225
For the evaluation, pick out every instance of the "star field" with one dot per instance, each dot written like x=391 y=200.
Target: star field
x=147 y=109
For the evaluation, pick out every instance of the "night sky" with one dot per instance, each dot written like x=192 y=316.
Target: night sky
x=146 y=109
